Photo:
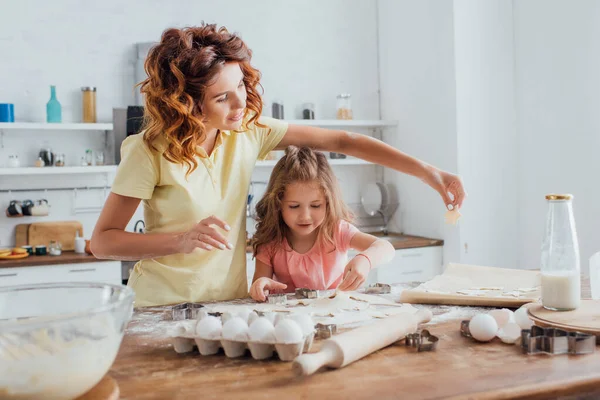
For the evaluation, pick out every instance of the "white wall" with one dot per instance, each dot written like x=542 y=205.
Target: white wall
x=417 y=83
x=486 y=129
x=558 y=98
x=72 y=44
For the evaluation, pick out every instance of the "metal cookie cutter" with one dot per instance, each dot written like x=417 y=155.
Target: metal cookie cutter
x=277 y=298
x=325 y=331
x=185 y=311
x=556 y=341
x=422 y=341
x=379 y=288
x=313 y=294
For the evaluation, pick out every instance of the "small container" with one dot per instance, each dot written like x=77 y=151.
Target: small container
x=29 y=249
x=13 y=161
x=308 y=111
x=99 y=157
x=561 y=277
x=55 y=248
x=89 y=155
x=277 y=111
x=344 y=106
x=60 y=160
x=39 y=162
x=88 y=96
x=40 y=250
x=47 y=156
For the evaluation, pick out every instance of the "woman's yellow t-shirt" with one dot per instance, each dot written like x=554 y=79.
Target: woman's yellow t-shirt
x=175 y=203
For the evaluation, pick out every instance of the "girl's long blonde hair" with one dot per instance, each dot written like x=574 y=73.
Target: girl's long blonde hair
x=179 y=69
x=298 y=165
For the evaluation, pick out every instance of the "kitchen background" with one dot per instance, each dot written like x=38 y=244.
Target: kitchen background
x=503 y=92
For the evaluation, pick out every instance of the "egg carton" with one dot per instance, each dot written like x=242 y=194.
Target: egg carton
x=234 y=348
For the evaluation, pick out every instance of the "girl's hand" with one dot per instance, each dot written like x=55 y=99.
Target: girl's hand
x=444 y=182
x=257 y=291
x=355 y=274
x=204 y=235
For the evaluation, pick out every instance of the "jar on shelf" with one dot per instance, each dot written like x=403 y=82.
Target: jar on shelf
x=55 y=248
x=560 y=269
x=60 y=160
x=88 y=95
x=344 y=106
x=39 y=162
x=308 y=111
x=13 y=161
x=89 y=155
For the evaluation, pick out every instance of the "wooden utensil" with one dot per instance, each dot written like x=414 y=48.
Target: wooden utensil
x=345 y=348
x=585 y=319
x=41 y=233
x=22 y=235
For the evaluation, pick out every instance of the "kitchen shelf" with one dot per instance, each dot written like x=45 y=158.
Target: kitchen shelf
x=344 y=123
x=43 y=126
x=58 y=170
x=344 y=161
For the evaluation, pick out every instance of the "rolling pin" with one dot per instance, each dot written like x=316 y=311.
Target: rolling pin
x=345 y=348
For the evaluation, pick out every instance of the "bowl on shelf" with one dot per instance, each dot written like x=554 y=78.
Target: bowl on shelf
x=57 y=341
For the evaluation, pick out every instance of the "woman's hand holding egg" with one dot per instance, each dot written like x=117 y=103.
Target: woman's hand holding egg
x=205 y=235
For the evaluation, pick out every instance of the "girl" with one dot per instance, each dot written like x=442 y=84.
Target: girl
x=192 y=166
x=304 y=232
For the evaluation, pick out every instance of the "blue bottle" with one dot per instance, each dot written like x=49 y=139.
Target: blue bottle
x=53 y=108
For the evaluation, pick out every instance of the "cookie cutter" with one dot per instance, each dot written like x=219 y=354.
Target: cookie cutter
x=325 y=331
x=556 y=341
x=378 y=288
x=185 y=311
x=277 y=298
x=422 y=341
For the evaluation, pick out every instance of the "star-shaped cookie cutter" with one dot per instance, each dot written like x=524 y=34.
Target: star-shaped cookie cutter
x=325 y=331
x=185 y=311
x=422 y=341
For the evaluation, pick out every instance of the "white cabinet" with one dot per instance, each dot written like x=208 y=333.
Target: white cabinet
x=409 y=265
x=101 y=272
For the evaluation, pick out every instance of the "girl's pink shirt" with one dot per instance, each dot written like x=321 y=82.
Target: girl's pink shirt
x=320 y=268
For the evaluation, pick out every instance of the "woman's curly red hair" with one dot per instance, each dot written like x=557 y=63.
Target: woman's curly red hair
x=179 y=69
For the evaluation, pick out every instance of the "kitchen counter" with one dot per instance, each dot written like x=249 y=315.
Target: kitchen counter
x=400 y=241
x=67 y=257
x=147 y=367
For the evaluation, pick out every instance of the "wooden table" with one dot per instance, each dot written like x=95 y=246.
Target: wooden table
x=147 y=367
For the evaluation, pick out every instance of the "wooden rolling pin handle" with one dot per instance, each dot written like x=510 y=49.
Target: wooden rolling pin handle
x=350 y=346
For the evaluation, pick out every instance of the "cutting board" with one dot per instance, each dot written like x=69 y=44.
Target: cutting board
x=22 y=235
x=41 y=233
x=443 y=288
x=106 y=389
x=585 y=319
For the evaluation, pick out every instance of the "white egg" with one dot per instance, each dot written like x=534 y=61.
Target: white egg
x=226 y=316
x=201 y=314
x=209 y=327
x=483 y=327
x=271 y=316
x=503 y=316
x=522 y=318
x=510 y=333
x=184 y=328
x=288 y=331
x=262 y=330
x=306 y=323
x=235 y=329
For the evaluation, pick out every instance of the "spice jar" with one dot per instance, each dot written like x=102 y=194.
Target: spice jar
x=39 y=162
x=89 y=103
x=308 y=111
x=60 y=160
x=344 y=106
x=13 y=161
x=561 y=277
x=55 y=248
x=88 y=157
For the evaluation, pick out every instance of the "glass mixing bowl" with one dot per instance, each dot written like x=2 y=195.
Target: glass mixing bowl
x=57 y=341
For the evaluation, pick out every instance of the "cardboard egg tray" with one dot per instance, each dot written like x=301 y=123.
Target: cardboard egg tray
x=233 y=349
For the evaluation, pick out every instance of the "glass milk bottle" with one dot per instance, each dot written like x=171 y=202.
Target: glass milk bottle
x=561 y=278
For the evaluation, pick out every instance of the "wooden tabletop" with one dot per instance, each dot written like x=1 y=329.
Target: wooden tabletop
x=67 y=257
x=147 y=367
